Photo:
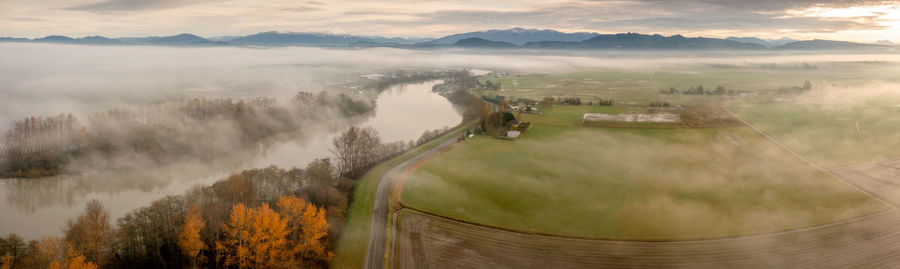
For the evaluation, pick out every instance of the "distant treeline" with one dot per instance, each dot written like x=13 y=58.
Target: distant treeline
x=577 y=101
x=401 y=77
x=164 y=131
x=721 y=90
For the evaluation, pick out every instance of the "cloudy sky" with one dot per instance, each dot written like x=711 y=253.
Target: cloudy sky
x=855 y=20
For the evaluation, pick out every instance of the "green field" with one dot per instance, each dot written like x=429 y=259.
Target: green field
x=350 y=249
x=647 y=184
x=642 y=86
x=826 y=132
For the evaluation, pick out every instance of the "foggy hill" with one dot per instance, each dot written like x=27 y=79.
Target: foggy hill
x=55 y=39
x=517 y=36
x=820 y=44
x=475 y=42
x=315 y=39
x=88 y=40
x=765 y=42
x=182 y=40
x=642 y=41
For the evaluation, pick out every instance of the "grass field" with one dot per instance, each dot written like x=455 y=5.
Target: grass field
x=642 y=86
x=350 y=249
x=632 y=184
x=826 y=132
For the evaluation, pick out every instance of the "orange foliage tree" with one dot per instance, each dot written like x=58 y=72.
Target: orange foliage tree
x=253 y=238
x=189 y=239
x=75 y=263
x=307 y=226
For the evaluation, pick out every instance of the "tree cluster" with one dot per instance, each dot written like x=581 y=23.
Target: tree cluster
x=604 y=102
x=429 y=135
x=472 y=103
x=260 y=218
x=569 y=101
x=490 y=85
x=699 y=90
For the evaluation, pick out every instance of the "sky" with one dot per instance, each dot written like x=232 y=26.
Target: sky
x=851 y=20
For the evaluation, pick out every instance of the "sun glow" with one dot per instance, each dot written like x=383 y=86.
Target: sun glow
x=887 y=15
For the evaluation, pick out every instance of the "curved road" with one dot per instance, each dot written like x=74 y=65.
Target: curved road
x=377 y=236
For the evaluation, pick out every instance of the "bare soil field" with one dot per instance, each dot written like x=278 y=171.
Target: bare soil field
x=661 y=117
x=427 y=241
x=879 y=178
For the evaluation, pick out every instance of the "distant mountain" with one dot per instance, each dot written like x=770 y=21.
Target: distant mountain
x=648 y=42
x=765 y=42
x=820 y=44
x=55 y=39
x=517 y=36
x=88 y=40
x=884 y=42
x=98 y=40
x=314 y=39
x=498 y=39
x=475 y=42
x=182 y=40
x=14 y=39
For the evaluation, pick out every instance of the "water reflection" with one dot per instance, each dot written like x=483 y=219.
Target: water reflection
x=36 y=207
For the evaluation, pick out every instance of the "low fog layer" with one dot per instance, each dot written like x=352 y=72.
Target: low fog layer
x=47 y=79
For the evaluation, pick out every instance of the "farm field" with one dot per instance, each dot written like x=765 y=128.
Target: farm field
x=630 y=184
x=826 y=132
x=436 y=242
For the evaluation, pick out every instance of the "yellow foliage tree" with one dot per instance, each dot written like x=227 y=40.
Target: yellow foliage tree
x=75 y=263
x=189 y=238
x=6 y=261
x=307 y=226
x=253 y=238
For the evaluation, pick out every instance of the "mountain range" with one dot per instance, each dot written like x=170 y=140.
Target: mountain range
x=516 y=38
x=771 y=43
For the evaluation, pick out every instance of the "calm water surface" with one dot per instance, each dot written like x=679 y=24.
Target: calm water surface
x=36 y=207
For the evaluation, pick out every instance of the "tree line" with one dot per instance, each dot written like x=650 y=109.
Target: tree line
x=401 y=77
x=260 y=218
x=196 y=128
x=359 y=148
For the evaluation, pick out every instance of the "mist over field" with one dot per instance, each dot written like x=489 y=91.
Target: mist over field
x=849 y=90
x=47 y=79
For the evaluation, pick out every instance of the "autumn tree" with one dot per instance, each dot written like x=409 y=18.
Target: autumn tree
x=49 y=250
x=253 y=238
x=6 y=261
x=75 y=263
x=13 y=246
x=320 y=171
x=90 y=234
x=307 y=227
x=189 y=238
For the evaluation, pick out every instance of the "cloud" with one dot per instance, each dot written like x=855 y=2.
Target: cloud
x=714 y=18
x=133 y=5
x=697 y=17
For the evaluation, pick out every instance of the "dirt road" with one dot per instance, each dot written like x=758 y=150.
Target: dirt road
x=377 y=234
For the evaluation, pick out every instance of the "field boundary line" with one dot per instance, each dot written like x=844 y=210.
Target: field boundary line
x=782 y=146
x=820 y=226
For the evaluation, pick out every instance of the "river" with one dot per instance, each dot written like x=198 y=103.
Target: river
x=33 y=208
